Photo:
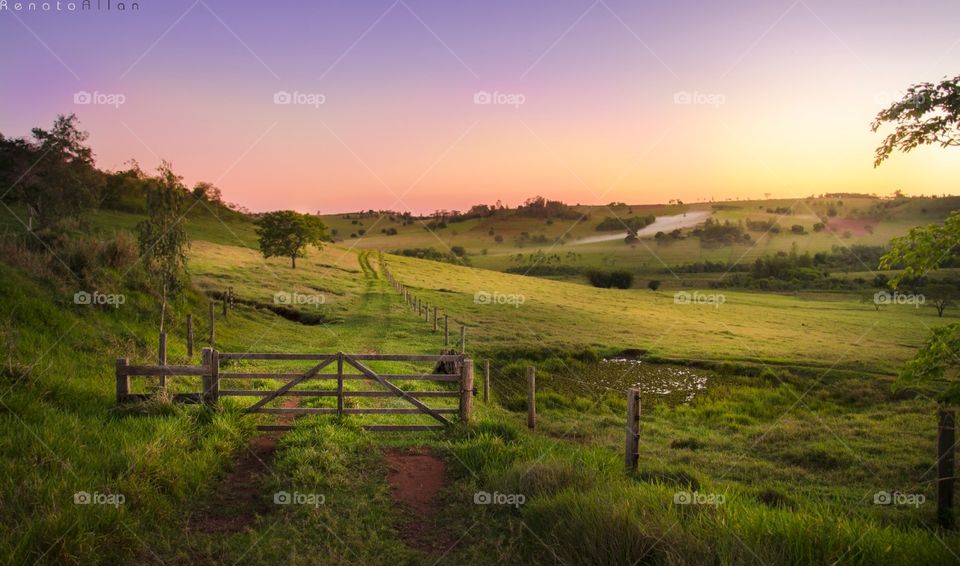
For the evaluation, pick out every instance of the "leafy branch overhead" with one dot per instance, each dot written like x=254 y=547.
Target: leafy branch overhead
x=927 y=114
x=287 y=233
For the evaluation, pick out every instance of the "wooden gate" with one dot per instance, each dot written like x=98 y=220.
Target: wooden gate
x=459 y=385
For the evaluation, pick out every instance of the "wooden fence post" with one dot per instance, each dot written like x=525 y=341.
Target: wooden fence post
x=162 y=357
x=446 y=330
x=466 y=390
x=632 y=454
x=463 y=339
x=531 y=397
x=211 y=323
x=340 y=383
x=946 y=439
x=190 y=336
x=486 y=381
x=435 y=319
x=123 y=380
x=211 y=378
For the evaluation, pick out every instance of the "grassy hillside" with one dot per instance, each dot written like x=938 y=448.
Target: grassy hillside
x=849 y=221
x=796 y=428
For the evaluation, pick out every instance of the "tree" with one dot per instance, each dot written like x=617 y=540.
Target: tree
x=53 y=174
x=927 y=114
x=162 y=237
x=208 y=192
x=287 y=233
x=941 y=296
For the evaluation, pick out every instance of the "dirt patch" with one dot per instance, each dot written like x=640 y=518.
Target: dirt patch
x=238 y=499
x=415 y=478
x=856 y=226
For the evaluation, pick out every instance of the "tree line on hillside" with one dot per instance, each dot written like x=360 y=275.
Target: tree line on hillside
x=55 y=186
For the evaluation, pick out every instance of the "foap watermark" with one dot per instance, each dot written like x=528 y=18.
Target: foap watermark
x=297 y=498
x=98 y=298
x=697 y=498
x=297 y=98
x=696 y=98
x=497 y=98
x=297 y=299
x=97 y=98
x=498 y=298
x=97 y=498
x=897 y=498
x=898 y=298
x=698 y=298
x=887 y=98
x=497 y=498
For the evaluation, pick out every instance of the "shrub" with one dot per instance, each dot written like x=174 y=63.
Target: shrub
x=653 y=284
x=603 y=279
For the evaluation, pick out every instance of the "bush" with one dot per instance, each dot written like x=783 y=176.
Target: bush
x=604 y=279
x=653 y=284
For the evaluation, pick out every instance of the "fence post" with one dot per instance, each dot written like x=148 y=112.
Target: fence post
x=946 y=435
x=463 y=339
x=340 y=383
x=190 y=336
x=435 y=318
x=466 y=390
x=162 y=357
x=486 y=381
x=446 y=330
x=211 y=378
x=123 y=380
x=211 y=323
x=632 y=454
x=531 y=397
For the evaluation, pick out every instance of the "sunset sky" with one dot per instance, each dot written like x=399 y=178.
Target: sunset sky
x=582 y=107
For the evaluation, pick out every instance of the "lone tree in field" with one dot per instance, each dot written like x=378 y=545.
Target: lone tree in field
x=287 y=234
x=162 y=238
x=927 y=114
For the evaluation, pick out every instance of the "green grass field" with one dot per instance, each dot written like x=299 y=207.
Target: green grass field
x=797 y=428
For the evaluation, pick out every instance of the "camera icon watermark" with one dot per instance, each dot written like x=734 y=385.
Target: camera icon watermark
x=497 y=498
x=297 y=498
x=496 y=98
x=297 y=98
x=697 y=498
x=497 y=298
x=695 y=98
x=898 y=298
x=698 y=298
x=99 y=299
x=97 y=498
x=914 y=500
x=294 y=299
x=887 y=98
x=86 y=98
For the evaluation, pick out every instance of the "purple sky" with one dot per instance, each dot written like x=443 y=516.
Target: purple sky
x=783 y=93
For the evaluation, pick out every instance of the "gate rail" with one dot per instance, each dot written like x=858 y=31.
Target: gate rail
x=209 y=371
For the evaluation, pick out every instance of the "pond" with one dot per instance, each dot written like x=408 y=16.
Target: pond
x=666 y=383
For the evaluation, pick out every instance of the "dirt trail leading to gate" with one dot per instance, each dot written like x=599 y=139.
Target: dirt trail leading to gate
x=238 y=499
x=415 y=478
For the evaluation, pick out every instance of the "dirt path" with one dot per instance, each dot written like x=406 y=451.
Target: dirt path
x=238 y=499
x=415 y=478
